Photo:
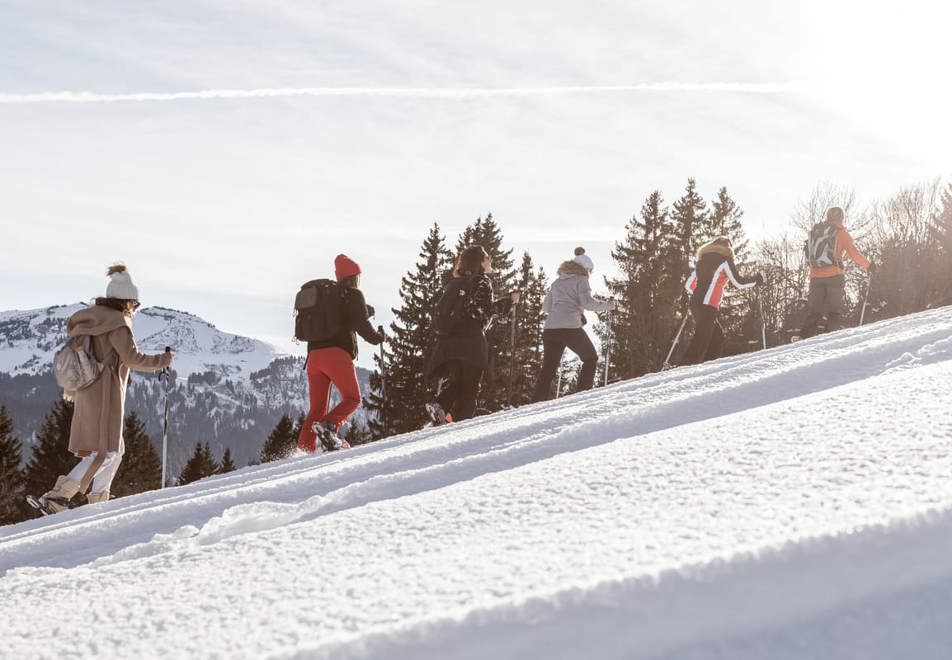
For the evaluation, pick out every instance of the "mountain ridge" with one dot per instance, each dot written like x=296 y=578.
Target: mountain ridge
x=229 y=390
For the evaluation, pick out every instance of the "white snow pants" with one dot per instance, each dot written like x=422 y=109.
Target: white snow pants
x=102 y=478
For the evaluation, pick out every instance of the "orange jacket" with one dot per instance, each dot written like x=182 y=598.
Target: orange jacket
x=844 y=246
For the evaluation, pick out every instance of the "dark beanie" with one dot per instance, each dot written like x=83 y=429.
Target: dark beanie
x=344 y=266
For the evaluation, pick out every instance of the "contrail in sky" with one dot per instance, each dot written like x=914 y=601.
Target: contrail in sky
x=409 y=92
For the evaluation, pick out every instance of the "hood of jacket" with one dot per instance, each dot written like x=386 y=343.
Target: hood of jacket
x=568 y=268
x=715 y=248
x=96 y=320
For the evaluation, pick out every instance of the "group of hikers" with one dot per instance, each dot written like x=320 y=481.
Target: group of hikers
x=331 y=313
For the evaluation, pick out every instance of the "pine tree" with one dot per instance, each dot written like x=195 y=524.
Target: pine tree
x=357 y=434
x=281 y=441
x=11 y=476
x=485 y=232
x=141 y=468
x=677 y=251
x=529 y=323
x=643 y=320
x=227 y=464
x=51 y=457
x=200 y=465
x=724 y=219
x=397 y=399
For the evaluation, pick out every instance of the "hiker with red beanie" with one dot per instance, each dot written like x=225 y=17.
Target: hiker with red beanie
x=826 y=248
x=331 y=359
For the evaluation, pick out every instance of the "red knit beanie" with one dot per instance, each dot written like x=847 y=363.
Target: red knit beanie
x=344 y=266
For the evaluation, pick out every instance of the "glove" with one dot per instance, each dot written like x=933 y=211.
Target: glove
x=370 y=311
x=759 y=279
x=382 y=334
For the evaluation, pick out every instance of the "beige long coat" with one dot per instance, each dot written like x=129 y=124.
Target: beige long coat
x=100 y=408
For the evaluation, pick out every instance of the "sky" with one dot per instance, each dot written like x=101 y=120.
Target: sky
x=352 y=127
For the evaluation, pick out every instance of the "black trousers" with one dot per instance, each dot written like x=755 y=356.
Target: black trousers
x=458 y=396
x=825 y=299
x=554 y=343
x=708 y=340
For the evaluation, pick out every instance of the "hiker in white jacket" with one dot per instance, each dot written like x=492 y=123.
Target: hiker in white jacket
x=565 y=305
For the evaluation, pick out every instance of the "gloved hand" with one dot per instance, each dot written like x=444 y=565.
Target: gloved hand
x=382 y=333
x=371 y=311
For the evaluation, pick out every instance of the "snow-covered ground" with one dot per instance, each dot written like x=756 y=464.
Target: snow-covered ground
x=794 y=503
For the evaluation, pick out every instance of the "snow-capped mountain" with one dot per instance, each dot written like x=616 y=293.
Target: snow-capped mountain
x=793 y=503
x=228 y=390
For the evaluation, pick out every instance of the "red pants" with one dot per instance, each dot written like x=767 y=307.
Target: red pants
x=326 y=366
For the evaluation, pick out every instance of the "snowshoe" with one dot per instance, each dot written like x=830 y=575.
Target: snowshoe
x=42 y=504
x=327 y=436
x=438 y=416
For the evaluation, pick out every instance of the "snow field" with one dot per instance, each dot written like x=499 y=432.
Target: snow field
x=715 y=511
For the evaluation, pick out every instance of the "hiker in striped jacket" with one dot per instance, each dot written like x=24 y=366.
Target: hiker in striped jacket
x=713 y=271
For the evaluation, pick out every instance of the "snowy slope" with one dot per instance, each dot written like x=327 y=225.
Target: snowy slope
x=794 y=503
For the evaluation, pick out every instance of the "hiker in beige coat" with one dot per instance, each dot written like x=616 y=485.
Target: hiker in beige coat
x=96 y=431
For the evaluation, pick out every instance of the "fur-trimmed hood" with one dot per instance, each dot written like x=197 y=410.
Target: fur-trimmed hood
x=570 y=267
x=96 y=320
x=716 y=247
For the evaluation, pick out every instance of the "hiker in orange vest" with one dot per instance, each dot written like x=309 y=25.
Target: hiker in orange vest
x=828 y=245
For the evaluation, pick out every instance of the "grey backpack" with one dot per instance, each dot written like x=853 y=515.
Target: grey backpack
x=821 y=245
x=74 y=365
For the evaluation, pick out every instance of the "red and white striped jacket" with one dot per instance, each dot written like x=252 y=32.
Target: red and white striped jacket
x=714 y=270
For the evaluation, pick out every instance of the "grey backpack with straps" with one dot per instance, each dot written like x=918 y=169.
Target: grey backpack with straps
x=75 y=366
x=821 y=245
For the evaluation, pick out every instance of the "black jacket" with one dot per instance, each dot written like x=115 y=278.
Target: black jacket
x=355 y=318
x=713 y=272
x=467 y=340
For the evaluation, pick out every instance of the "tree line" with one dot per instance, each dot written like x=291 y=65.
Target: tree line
x=908 y=236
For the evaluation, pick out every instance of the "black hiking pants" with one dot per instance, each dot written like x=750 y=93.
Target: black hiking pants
x=458 y=396
x=708 y=340
x=554 y=343
x=825 y=299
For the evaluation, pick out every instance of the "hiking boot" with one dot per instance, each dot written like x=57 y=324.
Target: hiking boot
x=327 y=436
x=437 y=415
x=57 y=499
x=96 y=498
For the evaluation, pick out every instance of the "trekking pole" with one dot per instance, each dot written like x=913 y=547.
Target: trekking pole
x=167 y=375
x=608 y=350
x=667 y=361
x=383 y=386
x=763 y=323
x=558 y=383
x=512 y=352
x=862 y=311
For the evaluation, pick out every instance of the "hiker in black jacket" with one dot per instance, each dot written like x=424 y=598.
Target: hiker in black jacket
x=332 y=361
x=713 y=270
x=461 y=355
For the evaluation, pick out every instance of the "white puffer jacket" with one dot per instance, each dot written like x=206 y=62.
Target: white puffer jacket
x=568 y=298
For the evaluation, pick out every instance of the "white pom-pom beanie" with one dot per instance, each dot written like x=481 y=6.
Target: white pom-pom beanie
x=120 y=284
x=583 y=259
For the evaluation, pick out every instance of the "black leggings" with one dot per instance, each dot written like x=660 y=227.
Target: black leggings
x=554 y=343
x=458 y=396
x=708 y=340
